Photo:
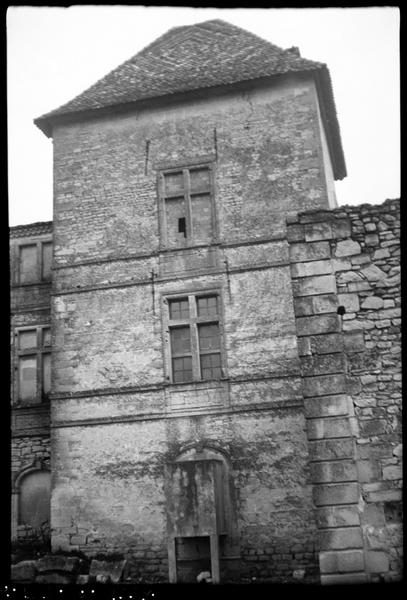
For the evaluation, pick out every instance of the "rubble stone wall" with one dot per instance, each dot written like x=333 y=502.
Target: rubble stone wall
x=346 y=284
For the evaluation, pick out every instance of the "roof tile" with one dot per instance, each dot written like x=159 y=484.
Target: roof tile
x=193 y=57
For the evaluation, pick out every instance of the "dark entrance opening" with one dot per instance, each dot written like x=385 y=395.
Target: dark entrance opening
x=193 y=556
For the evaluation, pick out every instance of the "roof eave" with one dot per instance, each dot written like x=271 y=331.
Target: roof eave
x=46 y=123
x=331 y=123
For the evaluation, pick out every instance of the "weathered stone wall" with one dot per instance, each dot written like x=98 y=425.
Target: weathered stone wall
x=26 y=450
x=117 y=419
x=267 y=148
x=109 y=492
x=286 y=411
x=369 y=288
x=346 y=282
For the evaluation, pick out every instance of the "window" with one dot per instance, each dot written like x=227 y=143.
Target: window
x=195 y=337
x=186 y=206
x=33 y=350
x=34 y=262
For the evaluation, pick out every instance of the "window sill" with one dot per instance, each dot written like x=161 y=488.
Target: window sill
x=31 y=284
x=201 y=383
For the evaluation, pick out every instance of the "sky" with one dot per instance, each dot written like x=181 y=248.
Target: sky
x=55 y=53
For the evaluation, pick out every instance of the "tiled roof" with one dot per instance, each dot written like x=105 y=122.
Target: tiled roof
x=31 y=229
x=193 y=57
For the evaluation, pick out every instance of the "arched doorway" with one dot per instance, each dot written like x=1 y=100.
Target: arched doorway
x=31 y=501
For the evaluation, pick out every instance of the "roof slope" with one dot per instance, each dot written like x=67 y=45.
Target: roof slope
x=187 y=58
x=31 y=229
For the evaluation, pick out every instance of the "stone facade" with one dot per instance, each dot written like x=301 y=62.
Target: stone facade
x=281 y=461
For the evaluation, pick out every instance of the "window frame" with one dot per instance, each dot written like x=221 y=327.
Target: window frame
x=38 y=351
x=193 y=322
x=186 y=194
x=39 y=268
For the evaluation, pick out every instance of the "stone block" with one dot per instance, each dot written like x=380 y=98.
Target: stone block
x=344 y=561
x=372 y=239
x=308 y=286
x=398 y=451
x=333 y=471
x=317 y=231
x=372 y=303
x=337 y=516
x=370 y=227
x=295 y=233
x=302 y=252
x=327 y=343
x=341 y=228
x=348 y=277
x=322 y=385
x=378 y=449
x=335 y=493
x=60 y=542
x=304 y=306
x=315 y=305
x=66 y=564
x=349 y=301
x=372 y=515
x=393 y=472
x=331 y=449
x=325 y=303
x=314 y=216
x=359 y=286
x=304 y=346
x=24 y=571
x=354 y=341
x=347 y=248
x=309 y=269
x=54 y=578
x=318 y=324
x=368 y=470
x=323 y=428
x=322 y=364
x=360 y=259
x=341 y=264
x=381 y=253
x=341 y=538
x=326 y=406
x=373 y=273
x=368 y=379
x=372 y=427
x=77 y=540
x=376 y=562
x=384 y=496
x=344 y=579
x=111 y=569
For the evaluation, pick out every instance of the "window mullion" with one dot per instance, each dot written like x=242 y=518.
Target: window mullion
x=162 y=209
x=196 y=367
x=39 y=261
x=213 y=214
x=188 y=206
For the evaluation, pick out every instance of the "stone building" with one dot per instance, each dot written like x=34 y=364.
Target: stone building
x=225 y=371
